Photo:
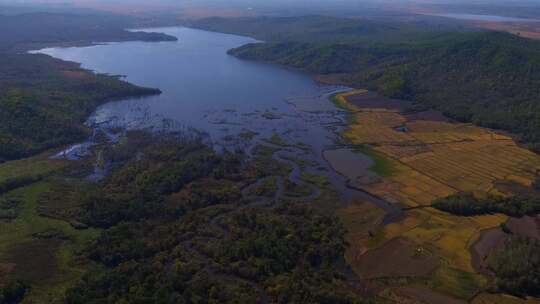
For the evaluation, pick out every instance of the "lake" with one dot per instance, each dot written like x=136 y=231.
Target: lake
x=203 y=87
x=235 y=104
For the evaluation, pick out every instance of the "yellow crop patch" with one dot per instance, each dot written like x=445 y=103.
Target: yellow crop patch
x=435 y=159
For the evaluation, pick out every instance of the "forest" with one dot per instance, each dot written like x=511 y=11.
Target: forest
x=488 y=78
x=30 y=31
x=466 y=204
x=177 y=229
x=44 y=102
x=516 y=267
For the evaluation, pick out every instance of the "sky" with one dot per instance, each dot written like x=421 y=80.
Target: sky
x=266 y=6
x=181 y=3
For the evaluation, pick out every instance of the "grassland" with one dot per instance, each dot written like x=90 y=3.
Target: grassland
x=25 y=171
x=33 y=248
x=340 y=99
x=424 y=160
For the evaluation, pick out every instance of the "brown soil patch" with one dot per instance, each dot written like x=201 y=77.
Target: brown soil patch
x=75 y=74
x=523 y=29
x=5 y=272
x=430 y=115
x=489 y=241
x=35 y=261
x=362 y=221
x=513 y=188
x=372 y=100
x=526 y=226
x=397 y=258
x=331 y=79
x=426 y=295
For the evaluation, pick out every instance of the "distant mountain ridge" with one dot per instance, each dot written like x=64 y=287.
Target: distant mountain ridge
x=33 y=30
x=44 y=101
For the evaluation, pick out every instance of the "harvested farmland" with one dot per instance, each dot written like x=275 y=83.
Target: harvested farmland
x=426 y=158
x=434 y=158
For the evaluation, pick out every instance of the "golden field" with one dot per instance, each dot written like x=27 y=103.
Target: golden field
x=426 y=160
x=433 y=159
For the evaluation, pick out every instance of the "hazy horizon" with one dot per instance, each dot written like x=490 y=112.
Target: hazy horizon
x=282 y=4
x=195 y=9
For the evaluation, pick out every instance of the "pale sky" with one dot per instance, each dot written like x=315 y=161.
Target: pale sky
x=416 y=6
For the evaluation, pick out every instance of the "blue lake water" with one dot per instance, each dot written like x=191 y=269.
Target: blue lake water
x=223 y=97
x=203 y=87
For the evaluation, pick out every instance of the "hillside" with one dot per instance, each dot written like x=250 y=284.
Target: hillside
x=36 y=30
x=44 y=101
x=319 y=29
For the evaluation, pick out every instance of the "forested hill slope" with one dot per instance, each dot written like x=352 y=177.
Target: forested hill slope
x=44 y=101
x=33 y=30
x=489 y=78
x=328 y=29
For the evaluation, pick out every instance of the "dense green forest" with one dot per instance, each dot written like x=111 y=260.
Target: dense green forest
x=177 y=229
x=517 y=267
x=489 y=78
x=44 y=102
x=36 y=30
x=13 y=292
x=173 y=221
x=325 y=29
x=466 y=204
